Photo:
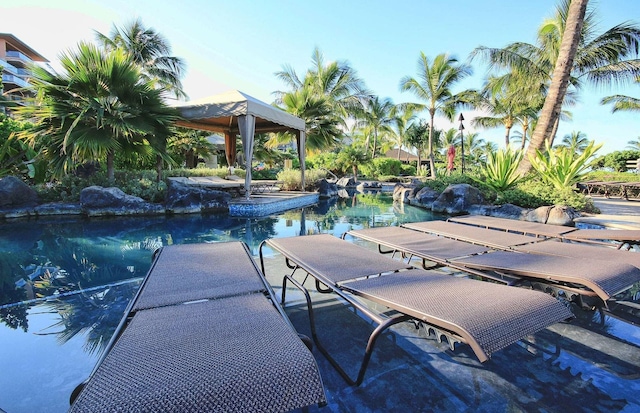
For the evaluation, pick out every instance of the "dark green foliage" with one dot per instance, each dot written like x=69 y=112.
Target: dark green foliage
x=137 y=183
x=535 y=193
x=408 y=170
x=616 y=160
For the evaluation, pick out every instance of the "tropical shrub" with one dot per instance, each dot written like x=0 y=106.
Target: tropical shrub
x=562 y=167
x=500 y=169
x=322 y=160
x=617 y=161
x=137 y=183
x=535 y=193
x=351 y=158
x=408 y=170
x=291 y=178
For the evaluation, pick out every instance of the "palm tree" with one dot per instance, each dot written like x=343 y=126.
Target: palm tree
x=322 y=122
x=351 y=157
x=449 y=137
x=151 y=51
x=474 y=147
x=568 y=52
x=377 y=115
x=401 y=122
x=336 y=81
x=418 y=138
x=622 y=102
x=433 y=85
x=550 y=114
x=99 y=105
x=634 y=145
x=576 y=142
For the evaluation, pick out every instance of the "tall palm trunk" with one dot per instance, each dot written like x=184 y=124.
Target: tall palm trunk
x=432 y=166
x=507 y=134
x=158 y=168
x=559 y=82
x=110 y=169
x=552 y=137
x=375 y=143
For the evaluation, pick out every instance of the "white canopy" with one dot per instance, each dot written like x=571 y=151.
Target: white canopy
x=234 y=113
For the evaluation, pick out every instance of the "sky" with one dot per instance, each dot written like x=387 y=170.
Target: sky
x=241 y=44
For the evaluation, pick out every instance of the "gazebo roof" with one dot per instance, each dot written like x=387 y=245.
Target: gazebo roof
x=219 y=113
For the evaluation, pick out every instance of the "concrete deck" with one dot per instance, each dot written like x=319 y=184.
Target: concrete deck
x=615 y=213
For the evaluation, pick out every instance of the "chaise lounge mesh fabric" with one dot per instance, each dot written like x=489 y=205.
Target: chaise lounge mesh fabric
x=603 y=271
x=217 y=343
x=604 y=278
x=419 y=244
x=631 y=236
x=580 y=251
x=511 y=225
x=486 y=316
x=474 y=235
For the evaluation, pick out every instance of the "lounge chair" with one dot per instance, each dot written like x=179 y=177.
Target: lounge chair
x=214 y=182
x=203 y=334
x=605 y=236
x=511 y=225
x=597 y=236
x=590 y=275
x=580 y=251
x=474 y=235
x=258 y=185
x=486 y=316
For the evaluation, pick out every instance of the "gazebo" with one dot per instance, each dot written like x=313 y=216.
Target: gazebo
x=235 y=113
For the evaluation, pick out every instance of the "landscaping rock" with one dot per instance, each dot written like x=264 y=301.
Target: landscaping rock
x=456 y=199
x=99 y=201
x=401 y=193
x=423 y=197
x=186 y=199
x=508 y=211
x=327 y=189
x=14 y=193
x=555 y=215
x=347 y=182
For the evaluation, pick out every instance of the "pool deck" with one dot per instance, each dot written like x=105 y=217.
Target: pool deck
x=615 y=213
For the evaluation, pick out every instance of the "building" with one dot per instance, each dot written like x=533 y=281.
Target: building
x=15 y=59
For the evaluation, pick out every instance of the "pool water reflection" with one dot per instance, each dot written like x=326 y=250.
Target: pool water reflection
x=65 y=283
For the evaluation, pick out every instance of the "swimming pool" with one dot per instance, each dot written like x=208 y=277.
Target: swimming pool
x=65 y=283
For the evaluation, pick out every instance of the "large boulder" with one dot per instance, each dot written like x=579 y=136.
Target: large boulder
x=456 y=199
x=327 y=189
x=14 y=193
x=509 y=211
x=99 y=201
x=555 y=215
x=187 y=199
x=423 y=197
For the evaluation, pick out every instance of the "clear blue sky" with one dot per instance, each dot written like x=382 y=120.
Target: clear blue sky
x=240 y=44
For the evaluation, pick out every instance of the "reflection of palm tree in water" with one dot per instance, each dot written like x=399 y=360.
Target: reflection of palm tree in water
x=97 y=313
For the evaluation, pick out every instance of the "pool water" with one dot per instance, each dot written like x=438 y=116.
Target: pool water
x=65 y=283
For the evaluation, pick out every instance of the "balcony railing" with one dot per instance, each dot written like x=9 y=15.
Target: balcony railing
x=8 y=79
x=13 y=55
x=8 y=67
